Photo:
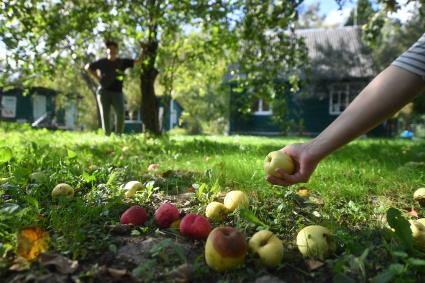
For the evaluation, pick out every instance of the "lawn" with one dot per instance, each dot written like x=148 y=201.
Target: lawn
x=350 y=193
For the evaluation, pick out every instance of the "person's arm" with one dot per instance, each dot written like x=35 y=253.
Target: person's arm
x=92 y=72
x=385 y=95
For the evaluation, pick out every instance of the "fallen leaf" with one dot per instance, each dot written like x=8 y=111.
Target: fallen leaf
x=31 y=242
x=314 y=264
x=117 y=273
x=303 y=192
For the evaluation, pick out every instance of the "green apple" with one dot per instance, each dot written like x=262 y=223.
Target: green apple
x=268 y=247
x=278 y=159
x=131 y=188
x=419 y=196
x=235 y=199
x=225 y=248
x=315 y=242
x=63 y=190
x=418 y=232
x=216 y=211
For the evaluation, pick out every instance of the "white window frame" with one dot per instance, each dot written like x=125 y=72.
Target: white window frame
x=342 y=99
x=260 y=111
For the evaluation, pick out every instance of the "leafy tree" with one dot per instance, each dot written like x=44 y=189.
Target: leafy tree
x=310 y=18
x=361 y=14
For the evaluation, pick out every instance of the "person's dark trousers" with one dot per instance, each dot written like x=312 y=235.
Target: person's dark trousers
x=106 y=99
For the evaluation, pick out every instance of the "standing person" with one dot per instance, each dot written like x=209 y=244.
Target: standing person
x=387 y=93
x=110 y=77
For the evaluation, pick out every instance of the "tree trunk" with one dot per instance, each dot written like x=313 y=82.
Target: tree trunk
x=93 y=87
x=149 y=105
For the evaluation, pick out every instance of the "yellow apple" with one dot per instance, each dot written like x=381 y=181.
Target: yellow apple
x=278 y=159
x=235 y=199
x=63 y=190
x=315 y=242
x=225 y=248
x=131 y=188
x=268 y=247
x=216 y=211
x=419 y=196
x=418 y=232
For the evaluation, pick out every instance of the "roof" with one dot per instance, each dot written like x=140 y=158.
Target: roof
x=337 y=52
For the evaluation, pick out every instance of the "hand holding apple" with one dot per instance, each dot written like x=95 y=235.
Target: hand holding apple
x=278 y=159
x=195 y=226
x=315 y=241
x=63 y=190
x=268 y=247
x=135 y=215
x=235 y=199
x=166 y=214
x=225 y=248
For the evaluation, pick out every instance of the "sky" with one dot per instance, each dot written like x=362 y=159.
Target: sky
x=334 y=15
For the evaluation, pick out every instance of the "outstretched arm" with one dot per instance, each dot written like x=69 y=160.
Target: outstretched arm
x=386 y=94
x=92 y=72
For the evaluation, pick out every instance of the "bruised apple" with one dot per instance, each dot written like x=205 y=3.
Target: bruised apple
x=267 y=246
x=315 y=241
x=418 y=232
x=216 y=211
x=135 y=215
x=195 y=226
x=278 y=159
x=419 y=196
x=166 y=214
x=225 y=248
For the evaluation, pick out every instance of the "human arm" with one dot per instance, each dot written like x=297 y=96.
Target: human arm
x=386 y=94
x=92 y=72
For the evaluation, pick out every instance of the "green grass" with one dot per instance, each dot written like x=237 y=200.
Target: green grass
x=351 y=192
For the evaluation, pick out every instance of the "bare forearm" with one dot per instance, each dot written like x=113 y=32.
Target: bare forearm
x=385 y=95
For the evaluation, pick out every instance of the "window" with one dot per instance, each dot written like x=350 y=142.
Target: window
x=339 y=98
x=261 y=107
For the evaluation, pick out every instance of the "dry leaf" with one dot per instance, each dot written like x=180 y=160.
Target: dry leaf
x=314 y=264
x=117 y=273
x=31 y=242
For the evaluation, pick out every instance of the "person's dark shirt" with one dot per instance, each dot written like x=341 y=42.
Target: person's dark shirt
x=112 y=72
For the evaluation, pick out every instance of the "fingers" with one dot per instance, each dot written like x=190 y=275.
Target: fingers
x=277 y=181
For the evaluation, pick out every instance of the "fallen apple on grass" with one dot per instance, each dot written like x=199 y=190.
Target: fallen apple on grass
x=166 y=214
x=278 y=159
x=225 y=249
x=63 y=190
x=418 y=232
x=152 y=167
x=267 y=246
x=195 y=226
x=419 y=196
x=315 y=241
x=236 y=199
x=132 y=187
x=216 y=211
x=135 y=215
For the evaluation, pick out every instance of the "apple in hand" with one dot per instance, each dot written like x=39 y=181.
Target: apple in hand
x=131 y=188
x=166 y=214
x=135 y=215
x=235 y=199
x=419 y=196
x=315 y=241
x=278 y=159
x=225 y=248
x=195 y=226
x=63 y=190
x=215 y=211
x=268 y=247
x=418 y=232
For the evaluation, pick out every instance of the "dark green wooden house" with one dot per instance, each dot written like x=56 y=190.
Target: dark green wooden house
x=341 y=68
x=36 y=106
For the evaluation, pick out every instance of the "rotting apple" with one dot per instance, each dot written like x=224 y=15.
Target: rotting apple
x=278 y=159
x=135 y=215
x=418 y=232
x=315 y=241
x=216 y=211
x=267 y=246
x=132 y=187
x=225 y=249
x=63 y=190
x=166 y=214
x=235 y=199
x=195 y=226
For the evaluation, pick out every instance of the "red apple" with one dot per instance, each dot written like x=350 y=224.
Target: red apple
x=225 y=248
x=166 y=214
x=134 y=215
x=195 y=226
